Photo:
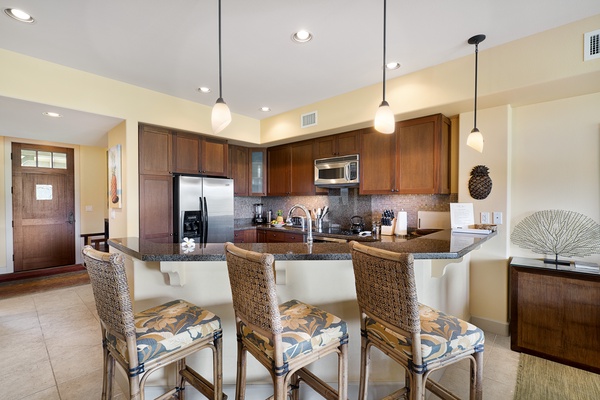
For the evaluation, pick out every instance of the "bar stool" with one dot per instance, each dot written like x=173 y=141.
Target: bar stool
x=146 y=341
x=416 y=336
x=283 y=338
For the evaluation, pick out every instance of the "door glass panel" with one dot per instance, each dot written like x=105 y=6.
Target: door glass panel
x=59 y=160
x=28 y=158
x=44 y=159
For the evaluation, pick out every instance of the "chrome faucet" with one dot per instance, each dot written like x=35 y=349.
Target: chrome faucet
x=309 y=239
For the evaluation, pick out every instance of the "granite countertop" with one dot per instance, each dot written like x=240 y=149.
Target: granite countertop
x=439 y=245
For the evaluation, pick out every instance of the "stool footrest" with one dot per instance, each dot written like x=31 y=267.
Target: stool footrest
x=199 y=382
x=317 y=384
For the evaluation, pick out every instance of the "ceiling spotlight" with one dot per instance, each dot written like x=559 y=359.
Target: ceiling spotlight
x=52 y=114
x=203 y=89
x=265 y=109
x=19 y=15
x=302 y=36
x=392 y=65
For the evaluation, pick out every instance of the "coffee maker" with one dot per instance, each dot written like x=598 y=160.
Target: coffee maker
x=258 y=214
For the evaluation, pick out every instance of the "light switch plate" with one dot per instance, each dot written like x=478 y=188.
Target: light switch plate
x=497 y=217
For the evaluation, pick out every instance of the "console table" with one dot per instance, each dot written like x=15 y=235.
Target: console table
x=555 y=312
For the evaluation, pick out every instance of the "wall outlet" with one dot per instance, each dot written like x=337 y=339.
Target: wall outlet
x=485 y=217
x=497 y=217
x=89 y=208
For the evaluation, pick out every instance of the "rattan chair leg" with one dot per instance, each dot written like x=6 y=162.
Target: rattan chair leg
x=477 y=376
x=107 y=379
x=365 y=364
x=294 y=387
x=240 y=382
x=218 y=368
x=280 y=388
x=180 y=366
x=343 y=372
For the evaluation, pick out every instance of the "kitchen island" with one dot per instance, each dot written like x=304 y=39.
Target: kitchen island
x=320 y=274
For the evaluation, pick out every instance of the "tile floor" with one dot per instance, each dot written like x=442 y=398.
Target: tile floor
x=51 y=350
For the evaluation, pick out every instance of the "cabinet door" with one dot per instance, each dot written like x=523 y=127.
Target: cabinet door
x=261 y=236
x=258 y=172
x=156 y=207
x=238 y=162
x=377 y=162
x=279 y=170
x=302 y=167
x=348 y=143
x=294 y=238
x=245 y=236
x=325 y=146
x=213 y=157
x=154 y=150
x=423 y=155
x=186 y=153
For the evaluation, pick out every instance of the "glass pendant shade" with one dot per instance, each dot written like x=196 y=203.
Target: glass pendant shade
x=221 y=116
x=475 y=140
x=384 y=119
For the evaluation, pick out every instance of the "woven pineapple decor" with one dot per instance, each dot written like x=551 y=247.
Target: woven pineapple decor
x=480 y=183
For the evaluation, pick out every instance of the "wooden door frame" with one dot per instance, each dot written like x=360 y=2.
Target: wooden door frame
x=9 y=238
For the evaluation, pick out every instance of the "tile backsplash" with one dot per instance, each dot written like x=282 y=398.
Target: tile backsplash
x=346 y=203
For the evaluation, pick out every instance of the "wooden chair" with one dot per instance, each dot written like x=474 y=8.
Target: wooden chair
x=418 y=337
x=283 y=338
x=142 y=343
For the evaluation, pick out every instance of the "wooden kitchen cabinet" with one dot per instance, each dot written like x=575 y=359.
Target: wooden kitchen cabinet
x=290 y=169
x=278 y=236
x=154 y=145
x=245 y=236
x=554 y=312
x=413 y=160
x=261 y=236
x=196 y=154
x=248 y=171
x=342 y=144
x=238 y=169
x=156 y=207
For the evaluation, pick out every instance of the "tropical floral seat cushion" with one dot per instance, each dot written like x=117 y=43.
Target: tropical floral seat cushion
x=442 y=335
x=168 y=327
x=305 y=328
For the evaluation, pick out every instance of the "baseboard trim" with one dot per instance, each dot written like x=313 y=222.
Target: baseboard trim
x=488 y=325
x=38 y=273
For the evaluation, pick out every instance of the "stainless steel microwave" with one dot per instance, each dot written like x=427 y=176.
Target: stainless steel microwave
x=337 y=171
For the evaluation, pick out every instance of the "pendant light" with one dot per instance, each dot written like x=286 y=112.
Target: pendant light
x=384 y=117
x=475 y=139
x=221 y=116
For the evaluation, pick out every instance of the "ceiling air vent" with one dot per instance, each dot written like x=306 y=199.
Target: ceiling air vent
x=309 y=119
x=591 y=45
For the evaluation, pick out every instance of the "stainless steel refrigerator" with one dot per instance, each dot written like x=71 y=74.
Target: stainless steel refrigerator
x=203 y=209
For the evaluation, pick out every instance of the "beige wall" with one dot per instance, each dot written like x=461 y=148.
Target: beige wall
x=93 y=188
x=3 y=227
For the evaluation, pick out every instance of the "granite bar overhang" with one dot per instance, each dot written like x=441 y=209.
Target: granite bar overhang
x=439 y=245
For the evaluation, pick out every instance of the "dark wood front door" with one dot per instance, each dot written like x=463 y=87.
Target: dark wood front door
x=43 y=206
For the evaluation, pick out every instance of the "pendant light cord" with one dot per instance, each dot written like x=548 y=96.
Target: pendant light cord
x=384 y=40
x=476 y=63
x=220 y=80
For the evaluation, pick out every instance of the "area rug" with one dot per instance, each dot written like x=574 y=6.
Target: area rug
x=541 y=379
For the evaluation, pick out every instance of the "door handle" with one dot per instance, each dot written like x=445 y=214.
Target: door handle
x=71 y=219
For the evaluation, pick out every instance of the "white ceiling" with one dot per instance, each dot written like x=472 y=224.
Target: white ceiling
x=171 y=46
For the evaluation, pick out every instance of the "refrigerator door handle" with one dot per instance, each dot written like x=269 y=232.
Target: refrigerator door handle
x=205 y=220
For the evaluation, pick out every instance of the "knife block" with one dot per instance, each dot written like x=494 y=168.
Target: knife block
x=388 y=230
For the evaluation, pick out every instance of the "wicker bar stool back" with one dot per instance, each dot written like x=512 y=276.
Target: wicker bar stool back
x=283 y=338
x=416 y=336
x=144 y=342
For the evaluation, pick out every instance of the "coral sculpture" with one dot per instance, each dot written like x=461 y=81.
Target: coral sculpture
x=558 y=233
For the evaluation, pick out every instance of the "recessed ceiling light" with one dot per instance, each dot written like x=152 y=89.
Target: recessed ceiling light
x=392 y=65
x=265 y=109
x=203 y=89
x=302 y=36
x=19 y=15
x=52 y=114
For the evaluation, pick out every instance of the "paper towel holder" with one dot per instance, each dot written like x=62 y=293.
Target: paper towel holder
x=401 y=228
